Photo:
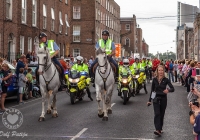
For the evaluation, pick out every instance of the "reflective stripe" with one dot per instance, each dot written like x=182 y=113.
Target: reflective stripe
x=49 y=46
x=108 y=45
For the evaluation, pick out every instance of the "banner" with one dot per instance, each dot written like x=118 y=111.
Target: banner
x=117 y=50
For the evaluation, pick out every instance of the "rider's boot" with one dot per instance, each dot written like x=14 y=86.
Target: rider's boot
x=89 y=93
x=117 y=76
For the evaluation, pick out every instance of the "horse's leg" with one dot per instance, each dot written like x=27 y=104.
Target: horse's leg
x=108 y=100
x=42 y=117
x=98 y=98
x=49 y=104
x=55 y=113
x=105 y=117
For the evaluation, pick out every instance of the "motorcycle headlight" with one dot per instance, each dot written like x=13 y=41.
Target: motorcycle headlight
x=124 y=81
x=137 y=76
x=73 y=80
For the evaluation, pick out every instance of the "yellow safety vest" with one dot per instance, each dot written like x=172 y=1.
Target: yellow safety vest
x=49 y=46
x=107 y=46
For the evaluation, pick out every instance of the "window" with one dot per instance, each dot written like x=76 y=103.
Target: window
x=23 y=11
x=127 y=42
x=127 y=26
x=34 y=14
x=76 y=33
x=52 y=19
x=44 y=16
x=21 y=44
x=9 y=9
x=76 y=12
x=66 y=1
x=61 y=22
x=29 y=44
x=67 y=24
x=76 y=52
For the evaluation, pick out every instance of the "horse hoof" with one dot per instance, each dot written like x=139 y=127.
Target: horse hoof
x=48 y=111
x=55 y=115
x=109 y=111
x=105 y=119
x=41 y=119
x=101 y=116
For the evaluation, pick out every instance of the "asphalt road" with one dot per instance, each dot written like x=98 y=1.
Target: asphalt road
x=133 y=121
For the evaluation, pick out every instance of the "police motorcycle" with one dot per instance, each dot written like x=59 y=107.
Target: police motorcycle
x=125 y=83
x=78 y=85
x=139 y=78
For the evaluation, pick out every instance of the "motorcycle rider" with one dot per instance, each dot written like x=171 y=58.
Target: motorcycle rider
x=80 y=67
x=149 y=64
x=54 y=50
x=127 y=69
x=109 y=46
x=136 y=66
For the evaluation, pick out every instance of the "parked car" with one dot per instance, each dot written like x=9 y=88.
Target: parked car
x=13 y=88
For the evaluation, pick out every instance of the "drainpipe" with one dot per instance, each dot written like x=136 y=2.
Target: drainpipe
x=3 y=24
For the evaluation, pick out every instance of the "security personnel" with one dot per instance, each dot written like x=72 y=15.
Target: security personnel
x=136 y=66
x=149 y=64
x=143 y=63
x=54 y=50
x=109 y=46
x=82 y=67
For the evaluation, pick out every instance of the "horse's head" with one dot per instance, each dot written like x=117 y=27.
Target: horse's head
x=44 y=58
x=102 y=59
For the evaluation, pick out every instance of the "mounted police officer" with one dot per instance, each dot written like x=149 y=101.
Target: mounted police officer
x=109 y=46
x=54 y=50
x=82 y=67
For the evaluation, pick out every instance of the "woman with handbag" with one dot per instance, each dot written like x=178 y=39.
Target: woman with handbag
x=158 y=94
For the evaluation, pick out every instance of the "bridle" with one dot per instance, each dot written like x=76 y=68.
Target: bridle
x=105 y=65
x=46 y=66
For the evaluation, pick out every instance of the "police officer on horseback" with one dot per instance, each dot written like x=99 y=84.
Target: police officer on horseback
x=109 y=46
x=54 y=50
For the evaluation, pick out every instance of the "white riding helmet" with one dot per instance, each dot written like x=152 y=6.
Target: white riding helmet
x=125 y=62
x=80 y=58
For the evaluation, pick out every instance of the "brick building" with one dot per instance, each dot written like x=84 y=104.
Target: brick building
x=21 y=21
x=89 y=19
x=145 y=48
x=128 y=35
x=139 y=41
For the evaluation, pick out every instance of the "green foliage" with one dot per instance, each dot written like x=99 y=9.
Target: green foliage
x=164 y=56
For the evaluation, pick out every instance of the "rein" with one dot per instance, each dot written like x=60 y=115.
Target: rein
x=46 y=67
x=104 y=79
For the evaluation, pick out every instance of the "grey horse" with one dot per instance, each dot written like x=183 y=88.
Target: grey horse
x=49 y=82
x=104 y=83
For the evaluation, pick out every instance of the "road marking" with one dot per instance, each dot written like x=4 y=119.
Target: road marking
x=112 y=138
x=79 y=134
x=112 y=104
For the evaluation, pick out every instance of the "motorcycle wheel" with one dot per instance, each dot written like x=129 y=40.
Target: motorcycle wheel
x=72 y=97
x=125 y=96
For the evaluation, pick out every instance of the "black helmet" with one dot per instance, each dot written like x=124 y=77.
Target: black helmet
x=105 y=32
x=42 y=34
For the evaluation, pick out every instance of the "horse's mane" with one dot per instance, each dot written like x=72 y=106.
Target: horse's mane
x=42 y=50
x=99 y=51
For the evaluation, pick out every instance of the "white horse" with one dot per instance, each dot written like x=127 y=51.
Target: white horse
x=104 y=83
x=49 y=82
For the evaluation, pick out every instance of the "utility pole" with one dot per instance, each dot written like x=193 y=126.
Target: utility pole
x=167 y=55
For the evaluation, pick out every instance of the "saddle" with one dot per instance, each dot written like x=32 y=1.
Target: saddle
x=112 y=66
x=58 y=68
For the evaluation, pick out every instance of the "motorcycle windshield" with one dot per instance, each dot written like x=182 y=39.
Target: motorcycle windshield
x=124 y=75
x=74 y=74
x=83 y=73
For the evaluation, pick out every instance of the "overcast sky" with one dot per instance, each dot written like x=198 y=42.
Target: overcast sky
x=159 y=34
